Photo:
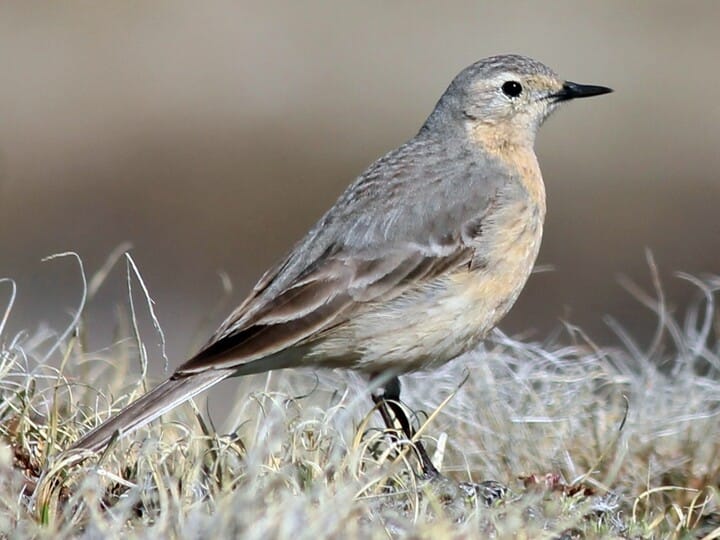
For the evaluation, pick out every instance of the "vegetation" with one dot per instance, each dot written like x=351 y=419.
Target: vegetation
x=580 y=441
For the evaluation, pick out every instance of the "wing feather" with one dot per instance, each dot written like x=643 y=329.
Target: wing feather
x=402 y=223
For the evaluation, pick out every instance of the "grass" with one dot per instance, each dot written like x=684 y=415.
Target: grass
x=581 y=442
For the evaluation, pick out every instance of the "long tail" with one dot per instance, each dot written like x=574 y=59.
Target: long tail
x=158 y=401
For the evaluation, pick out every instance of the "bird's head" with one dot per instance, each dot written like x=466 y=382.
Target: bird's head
x=506 y=98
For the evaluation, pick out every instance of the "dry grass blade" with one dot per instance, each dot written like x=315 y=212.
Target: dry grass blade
x=305 y=458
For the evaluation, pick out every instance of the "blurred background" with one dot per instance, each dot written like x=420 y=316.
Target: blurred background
x=212 y=135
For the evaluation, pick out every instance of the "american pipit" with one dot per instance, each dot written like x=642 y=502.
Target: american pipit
x=412 y=266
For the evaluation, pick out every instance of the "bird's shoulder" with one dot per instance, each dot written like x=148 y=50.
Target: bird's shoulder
x=419 y=193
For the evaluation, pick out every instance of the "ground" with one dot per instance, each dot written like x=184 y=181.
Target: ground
x=553 y=439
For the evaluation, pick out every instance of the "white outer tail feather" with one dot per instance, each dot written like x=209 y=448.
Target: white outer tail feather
x=156 y=402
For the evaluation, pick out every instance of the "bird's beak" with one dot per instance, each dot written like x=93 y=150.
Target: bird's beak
x=571 y=90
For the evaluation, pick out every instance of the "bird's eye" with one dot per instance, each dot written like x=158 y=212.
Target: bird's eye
x=512 y=89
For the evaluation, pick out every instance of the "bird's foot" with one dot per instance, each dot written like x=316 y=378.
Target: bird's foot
x=487 y=492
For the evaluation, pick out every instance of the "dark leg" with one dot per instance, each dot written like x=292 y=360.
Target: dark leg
x=387 y=399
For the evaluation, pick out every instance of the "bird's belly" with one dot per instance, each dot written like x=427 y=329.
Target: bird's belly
x=435 y=322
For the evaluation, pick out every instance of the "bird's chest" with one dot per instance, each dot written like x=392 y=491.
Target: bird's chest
x=506 y=251
x=461 y=308
x=504 y=258
x=454 y=314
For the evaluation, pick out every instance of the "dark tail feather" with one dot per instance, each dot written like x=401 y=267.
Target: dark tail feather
x=158 y=401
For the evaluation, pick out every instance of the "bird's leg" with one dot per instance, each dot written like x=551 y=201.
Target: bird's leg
x=387 y=399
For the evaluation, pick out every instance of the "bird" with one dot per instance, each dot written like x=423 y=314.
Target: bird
x=417 y=260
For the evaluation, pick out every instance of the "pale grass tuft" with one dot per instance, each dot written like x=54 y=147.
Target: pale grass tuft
x=592 y=442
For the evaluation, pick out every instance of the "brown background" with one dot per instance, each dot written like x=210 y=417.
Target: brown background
x=212 y=134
